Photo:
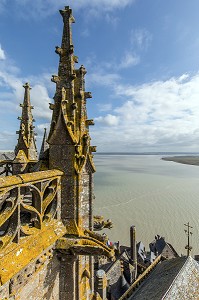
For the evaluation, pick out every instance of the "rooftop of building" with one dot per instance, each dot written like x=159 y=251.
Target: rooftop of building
x=7 y=155
x=168 y=277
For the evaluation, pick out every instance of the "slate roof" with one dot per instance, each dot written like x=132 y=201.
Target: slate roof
x=7 y=155
x=159 y=244
x=119 y=288
x=165 y=281
x=186 y=285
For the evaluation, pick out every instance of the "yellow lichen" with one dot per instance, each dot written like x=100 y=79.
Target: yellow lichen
x=29 y=248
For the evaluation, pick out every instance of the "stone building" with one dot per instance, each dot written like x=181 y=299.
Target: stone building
x=160 y=246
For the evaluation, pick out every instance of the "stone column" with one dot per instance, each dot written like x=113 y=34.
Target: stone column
x=68 y=289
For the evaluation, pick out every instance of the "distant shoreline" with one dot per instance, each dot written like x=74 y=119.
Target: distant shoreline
x=187 y=160
x=150 y=153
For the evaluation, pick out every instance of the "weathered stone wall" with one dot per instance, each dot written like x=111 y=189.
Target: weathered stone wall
x=114 y=273
x=40 y=280
x=86 y=199
x=62 y=157
x=168 y=252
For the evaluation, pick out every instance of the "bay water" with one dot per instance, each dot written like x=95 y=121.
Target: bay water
x=156 y=196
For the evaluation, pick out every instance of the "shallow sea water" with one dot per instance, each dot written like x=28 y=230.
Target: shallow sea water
x=156 y=196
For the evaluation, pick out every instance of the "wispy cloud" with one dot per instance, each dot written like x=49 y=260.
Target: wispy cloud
x=41 y=8
x=2 y=5
x=108 y=79
x=110 y=19
x=125 y=60
x=128 y=60
x=104 y=107
x=12 y=93
x=103 y=4
x=140 y=39
x=2 y=53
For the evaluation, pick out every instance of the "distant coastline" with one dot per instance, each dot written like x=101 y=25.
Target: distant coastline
x=187 y=160
x=191 y=158
x=183 y=154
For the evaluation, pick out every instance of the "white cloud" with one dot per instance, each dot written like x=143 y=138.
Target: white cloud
x=11 y=80
x=183 y=77
x=141 y=38
x=41 y=100
x=129 y=60
x=108 y=120
x=12 y=93
x=157 y=116
x=2 y=54
x=104 y=107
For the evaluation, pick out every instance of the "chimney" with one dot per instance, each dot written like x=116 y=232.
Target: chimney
x=133 y=249
x=101 y=284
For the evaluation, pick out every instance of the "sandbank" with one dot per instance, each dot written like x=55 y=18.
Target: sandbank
x=188 y=160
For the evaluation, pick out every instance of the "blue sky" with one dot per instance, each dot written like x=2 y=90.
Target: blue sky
x=142 y=59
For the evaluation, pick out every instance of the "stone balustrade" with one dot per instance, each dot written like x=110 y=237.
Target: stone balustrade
x=27 y=203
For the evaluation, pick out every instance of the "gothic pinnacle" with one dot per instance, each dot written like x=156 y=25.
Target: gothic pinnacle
x=27 y=91
x=66 y=51
x=26 y=141
x=67 y=32
x=69 y=107
x=44 y=146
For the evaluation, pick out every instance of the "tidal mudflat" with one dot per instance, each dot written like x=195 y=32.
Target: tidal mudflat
x=155 y=195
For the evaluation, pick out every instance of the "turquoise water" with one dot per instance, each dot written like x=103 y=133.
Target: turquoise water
x=156 y=196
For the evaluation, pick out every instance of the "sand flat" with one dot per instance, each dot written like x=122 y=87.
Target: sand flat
x=188 y=160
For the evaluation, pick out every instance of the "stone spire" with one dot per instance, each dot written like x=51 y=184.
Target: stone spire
x=64 y=96
x=26 y=141
x=44 y=146
x=43 y=163
x=69 y=108
x=71 y=153
x=69 y=125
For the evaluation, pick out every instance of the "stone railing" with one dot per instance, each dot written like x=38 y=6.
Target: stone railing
x=27 y=203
